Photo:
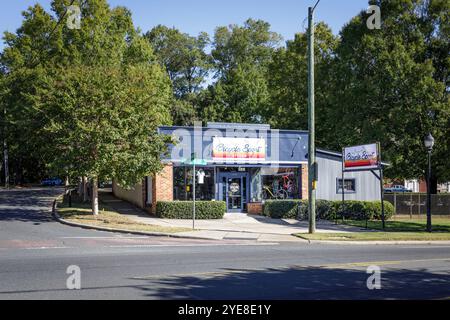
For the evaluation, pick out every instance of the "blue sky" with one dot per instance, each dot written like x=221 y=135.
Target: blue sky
x=194 y=16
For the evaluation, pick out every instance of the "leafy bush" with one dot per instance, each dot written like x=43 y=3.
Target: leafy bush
x=184 y=209
x=328 y=210
x=283 y=209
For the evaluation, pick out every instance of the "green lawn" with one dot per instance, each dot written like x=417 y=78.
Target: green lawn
x=401 y=229
x=404 y=225
x=376 y=236
x=107 y=217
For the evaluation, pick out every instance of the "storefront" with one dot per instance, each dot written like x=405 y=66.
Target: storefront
x=243 y=165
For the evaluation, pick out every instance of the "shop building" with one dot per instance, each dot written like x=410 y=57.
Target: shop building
x=244 y=165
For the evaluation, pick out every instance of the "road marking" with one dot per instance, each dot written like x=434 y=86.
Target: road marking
x=376 y=263
x=118 y=237
x=193 y=245
x=46 y=248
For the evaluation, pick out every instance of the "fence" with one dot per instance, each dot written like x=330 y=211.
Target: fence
x=415 y=204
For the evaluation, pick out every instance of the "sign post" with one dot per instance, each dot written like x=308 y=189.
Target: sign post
x=364 y=158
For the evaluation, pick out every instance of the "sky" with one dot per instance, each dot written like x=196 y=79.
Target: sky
x=286 y=17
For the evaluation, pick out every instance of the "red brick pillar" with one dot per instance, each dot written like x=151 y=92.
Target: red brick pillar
x=162 y=186
x=304 y=182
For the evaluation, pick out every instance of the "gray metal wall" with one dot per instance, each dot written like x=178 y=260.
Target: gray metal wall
x=367 y=185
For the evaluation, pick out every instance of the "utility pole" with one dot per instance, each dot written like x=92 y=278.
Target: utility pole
x=312 y=167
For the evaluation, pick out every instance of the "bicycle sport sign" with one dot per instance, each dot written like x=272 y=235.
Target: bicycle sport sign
x=365 y=157
x=243 y=149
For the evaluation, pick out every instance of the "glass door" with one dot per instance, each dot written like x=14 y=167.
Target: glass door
x=235 y=194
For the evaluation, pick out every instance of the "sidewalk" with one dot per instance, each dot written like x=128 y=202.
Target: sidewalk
x=233 y=227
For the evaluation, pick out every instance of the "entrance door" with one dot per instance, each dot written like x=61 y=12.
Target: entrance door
x=234 y=191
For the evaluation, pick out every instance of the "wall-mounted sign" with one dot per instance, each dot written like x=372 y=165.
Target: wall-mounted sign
x=242 y=149
x=364 y=157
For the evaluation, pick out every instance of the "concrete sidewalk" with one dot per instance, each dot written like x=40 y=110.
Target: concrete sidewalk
x=234 y=226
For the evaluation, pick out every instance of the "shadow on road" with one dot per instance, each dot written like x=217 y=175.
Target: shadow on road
x=302 y=284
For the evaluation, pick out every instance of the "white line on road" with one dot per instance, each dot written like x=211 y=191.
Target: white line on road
x=195 y=245
x=47 y=248
x=118 y=237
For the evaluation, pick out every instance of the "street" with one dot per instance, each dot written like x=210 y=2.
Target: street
x=35 y=252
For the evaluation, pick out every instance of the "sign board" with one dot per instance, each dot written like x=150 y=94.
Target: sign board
x=242 y=149
x=365 y=157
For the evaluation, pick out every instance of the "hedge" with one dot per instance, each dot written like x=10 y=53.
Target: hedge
x=327 y=210
x=183 y=209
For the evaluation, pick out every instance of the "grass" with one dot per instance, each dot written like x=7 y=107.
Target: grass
x=400 y=229
x=404 y=225
x=376 y=236
x=108 y=218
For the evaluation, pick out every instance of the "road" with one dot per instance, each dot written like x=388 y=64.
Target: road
x=36 y=251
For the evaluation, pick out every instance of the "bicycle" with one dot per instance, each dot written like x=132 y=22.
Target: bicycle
x=279 y=194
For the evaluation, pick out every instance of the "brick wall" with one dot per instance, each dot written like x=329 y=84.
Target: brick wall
x=162 y=187
x=255 y=208
x=304 y=182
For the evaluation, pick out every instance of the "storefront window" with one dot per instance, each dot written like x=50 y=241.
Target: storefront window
x=280 y=183
x=183 y=180
x=256 y=189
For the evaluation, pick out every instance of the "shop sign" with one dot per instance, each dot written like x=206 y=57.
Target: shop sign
x=242 y=149
x=362 y=157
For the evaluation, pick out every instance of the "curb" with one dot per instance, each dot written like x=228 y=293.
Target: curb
x=380 y=243
x=58 y=218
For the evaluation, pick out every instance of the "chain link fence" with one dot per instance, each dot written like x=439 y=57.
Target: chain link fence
x=415 y=204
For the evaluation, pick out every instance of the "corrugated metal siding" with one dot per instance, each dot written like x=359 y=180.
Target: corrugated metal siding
x=367 y=185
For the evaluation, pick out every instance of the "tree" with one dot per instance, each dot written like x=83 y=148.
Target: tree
x=241 y=56
x=388 y=87
x=288 y=82
x=89 y=99
x=183 y=57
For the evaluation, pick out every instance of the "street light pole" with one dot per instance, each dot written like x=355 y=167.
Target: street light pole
x=311 y=125
x=429 y=228
x=429 y=144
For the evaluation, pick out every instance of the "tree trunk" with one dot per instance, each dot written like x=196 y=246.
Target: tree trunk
x=85 y=190
x=67 y=181
x=95 y=196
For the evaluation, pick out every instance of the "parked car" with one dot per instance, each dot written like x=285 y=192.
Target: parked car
x=397 y=189
x=52 y=182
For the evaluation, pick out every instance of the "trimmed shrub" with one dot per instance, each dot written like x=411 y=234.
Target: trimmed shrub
x=183 y=209
x=283 y=209
x=328 y=210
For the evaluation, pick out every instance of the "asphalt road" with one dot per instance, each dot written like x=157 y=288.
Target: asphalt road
x=36 y=251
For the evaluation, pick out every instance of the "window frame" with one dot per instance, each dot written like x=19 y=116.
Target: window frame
x=338 y=191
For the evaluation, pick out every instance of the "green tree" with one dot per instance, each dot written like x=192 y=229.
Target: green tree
x=88 y=100
x=183 y=57
x=241 y=56
x=288 y=81
x=388 y=86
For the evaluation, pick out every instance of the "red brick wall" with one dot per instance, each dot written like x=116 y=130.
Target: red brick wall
x=255 y=208
x=304 y=182
x=162 y=186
